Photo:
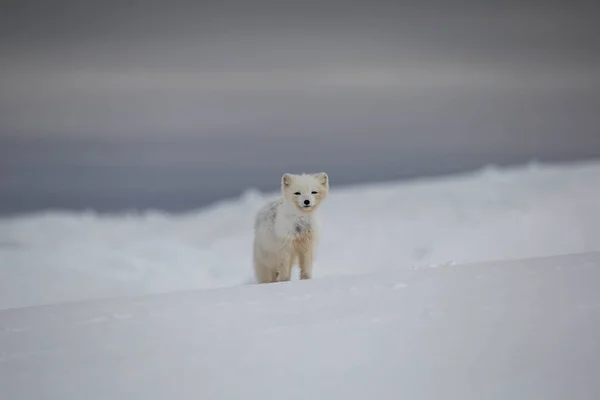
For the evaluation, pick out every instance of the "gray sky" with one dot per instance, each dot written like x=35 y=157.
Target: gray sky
x=225 y=95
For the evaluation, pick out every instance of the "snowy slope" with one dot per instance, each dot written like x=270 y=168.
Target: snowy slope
x=514 y=330
x=488 y=215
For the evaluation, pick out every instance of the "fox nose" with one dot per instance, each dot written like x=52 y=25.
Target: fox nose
x=306 y=202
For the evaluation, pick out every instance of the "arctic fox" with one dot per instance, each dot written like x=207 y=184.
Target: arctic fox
x=286 y=229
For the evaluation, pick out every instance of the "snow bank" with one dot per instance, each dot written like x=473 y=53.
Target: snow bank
x=488 y=215
x=509 y=330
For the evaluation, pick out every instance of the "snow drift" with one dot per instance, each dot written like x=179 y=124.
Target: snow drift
x=491 y=214
x=508 y=330
x=389 y=314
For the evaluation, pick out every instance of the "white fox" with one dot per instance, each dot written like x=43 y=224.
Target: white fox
x=286 y=230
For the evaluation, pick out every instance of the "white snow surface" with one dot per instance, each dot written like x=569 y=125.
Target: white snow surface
x=493 y=214
x=403 y=304
x=514 y=330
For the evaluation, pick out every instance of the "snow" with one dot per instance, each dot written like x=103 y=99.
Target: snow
x=523 y=329
x=479 y=286
x=493 y=214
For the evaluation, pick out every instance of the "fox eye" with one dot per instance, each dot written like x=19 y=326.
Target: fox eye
x=297 y=193
x=314 y=192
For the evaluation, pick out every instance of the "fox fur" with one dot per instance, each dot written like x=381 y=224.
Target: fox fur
x=286 y=230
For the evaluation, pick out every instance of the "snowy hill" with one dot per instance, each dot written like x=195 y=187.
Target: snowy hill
x=531 y=211
x=389 y=314
x=524 y=329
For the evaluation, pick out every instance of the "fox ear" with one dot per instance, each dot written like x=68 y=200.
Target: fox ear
x=323 y=178
x=286 y=180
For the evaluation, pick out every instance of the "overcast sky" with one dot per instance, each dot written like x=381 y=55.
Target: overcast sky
x=375 y=91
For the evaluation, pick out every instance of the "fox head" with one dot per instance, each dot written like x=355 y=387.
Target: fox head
x=305 y=191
